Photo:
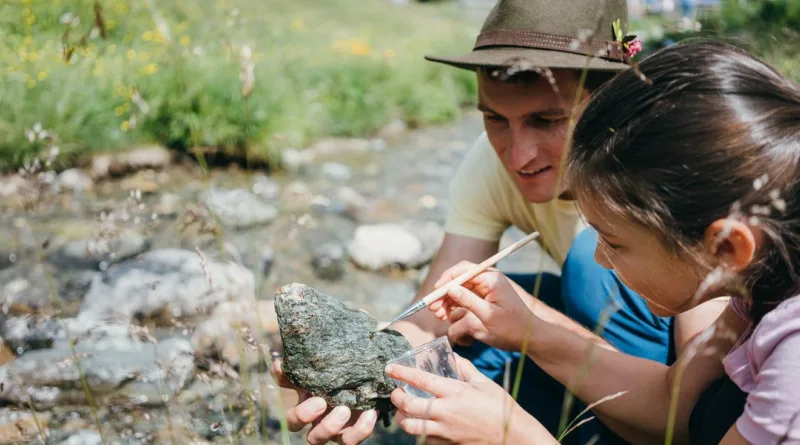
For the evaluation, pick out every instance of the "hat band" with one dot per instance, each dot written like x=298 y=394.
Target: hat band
x=530 y=39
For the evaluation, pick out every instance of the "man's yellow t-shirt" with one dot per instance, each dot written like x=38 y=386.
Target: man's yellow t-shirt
x=484 y=202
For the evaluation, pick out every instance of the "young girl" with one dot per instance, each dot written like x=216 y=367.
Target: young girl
x=690 y=176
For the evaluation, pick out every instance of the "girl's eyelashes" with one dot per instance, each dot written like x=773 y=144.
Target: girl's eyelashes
x=610 y=245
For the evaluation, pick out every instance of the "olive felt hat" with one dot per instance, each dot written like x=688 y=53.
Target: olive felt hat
x=549 y=33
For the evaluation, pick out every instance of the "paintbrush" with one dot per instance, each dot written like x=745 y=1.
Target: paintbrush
x=427 y=300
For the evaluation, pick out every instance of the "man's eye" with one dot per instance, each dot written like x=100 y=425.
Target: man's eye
x=494 y=118
x=549 y=121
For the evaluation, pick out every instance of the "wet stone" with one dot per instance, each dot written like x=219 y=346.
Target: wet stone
x=99 y=253
x=172 y=282
x=329 y=261
x=239 y=208
x=31 y=332
x=333 y=352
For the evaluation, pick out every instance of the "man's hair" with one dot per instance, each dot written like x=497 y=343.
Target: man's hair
x=594 y=79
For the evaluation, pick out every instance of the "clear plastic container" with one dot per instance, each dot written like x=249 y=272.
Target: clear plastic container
x=435 y=357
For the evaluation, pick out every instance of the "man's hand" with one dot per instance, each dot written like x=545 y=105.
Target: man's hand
x=337 y=424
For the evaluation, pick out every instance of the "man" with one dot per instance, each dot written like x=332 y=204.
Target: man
x=510 y=177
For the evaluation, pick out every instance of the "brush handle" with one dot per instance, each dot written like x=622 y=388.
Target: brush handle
x=478 y=268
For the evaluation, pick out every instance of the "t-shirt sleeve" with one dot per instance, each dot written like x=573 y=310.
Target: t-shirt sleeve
x=772 y=411
x=476 y=195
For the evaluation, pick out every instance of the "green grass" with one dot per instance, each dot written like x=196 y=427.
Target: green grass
x=342 y=68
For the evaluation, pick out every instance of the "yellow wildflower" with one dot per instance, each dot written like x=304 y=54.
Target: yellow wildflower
x=125 y=126
x=360 y=48
x=160 y=37
x=119 y=111
x=147 y=35
x=185 y=40
x=121 y=7
x=111 y=24
x=27 y=40
x=42 y=75
x=31 y=83
x=31 y=19
x=150 y=69
x=298 y=24
x=131 y=54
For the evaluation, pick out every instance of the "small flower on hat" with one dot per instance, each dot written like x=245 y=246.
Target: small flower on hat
x=631 y=46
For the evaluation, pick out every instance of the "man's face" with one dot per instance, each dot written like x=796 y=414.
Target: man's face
x=527 y=126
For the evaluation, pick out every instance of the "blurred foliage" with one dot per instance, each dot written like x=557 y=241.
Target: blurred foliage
x=105 y=75
x=767 y=28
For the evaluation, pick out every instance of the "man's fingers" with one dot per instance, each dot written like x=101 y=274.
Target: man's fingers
x=438 y=386
x=279 y=376
x=304 y=413
x=329 y=427
x=362 y=429
x=410 y=405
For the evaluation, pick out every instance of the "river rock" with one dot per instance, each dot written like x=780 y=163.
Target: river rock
x=153 y=156
x=30 y=332
x=99 y=253
x=294 y=160
x=266 y=259
x=169 y=282
x=238 y=208
x=83 y=437
x=137 y=373
x=17 y=426
x=265 y=187
x=379 y=246
x=329 y=261
x=224 y=334
x=336 y=171
x=396 y=127
x=74 y=180
x=333 y=352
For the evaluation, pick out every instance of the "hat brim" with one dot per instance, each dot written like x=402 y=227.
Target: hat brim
x=507 y=56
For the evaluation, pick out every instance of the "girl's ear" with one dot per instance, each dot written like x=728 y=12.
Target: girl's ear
x=731 y=242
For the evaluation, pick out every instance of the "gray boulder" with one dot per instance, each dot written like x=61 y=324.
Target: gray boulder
x=333 y=352
x=224 y=335
x=329 y=261
x=134 y=372
x=174 y=283
x=99 y=253
x=410 y=245
x=238 y=208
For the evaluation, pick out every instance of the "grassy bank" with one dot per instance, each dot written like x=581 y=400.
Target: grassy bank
x=242 y=76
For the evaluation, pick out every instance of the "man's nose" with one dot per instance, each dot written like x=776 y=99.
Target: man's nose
x=523 y=145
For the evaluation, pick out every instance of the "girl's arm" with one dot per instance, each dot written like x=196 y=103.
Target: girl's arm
x=593 y=373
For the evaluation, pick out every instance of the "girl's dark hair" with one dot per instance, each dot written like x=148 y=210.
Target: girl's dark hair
x=701 y=131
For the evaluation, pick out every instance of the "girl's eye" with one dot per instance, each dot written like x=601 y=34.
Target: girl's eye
x=612 y=246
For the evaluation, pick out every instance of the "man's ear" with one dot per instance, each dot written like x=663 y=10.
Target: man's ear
x=731 y=242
